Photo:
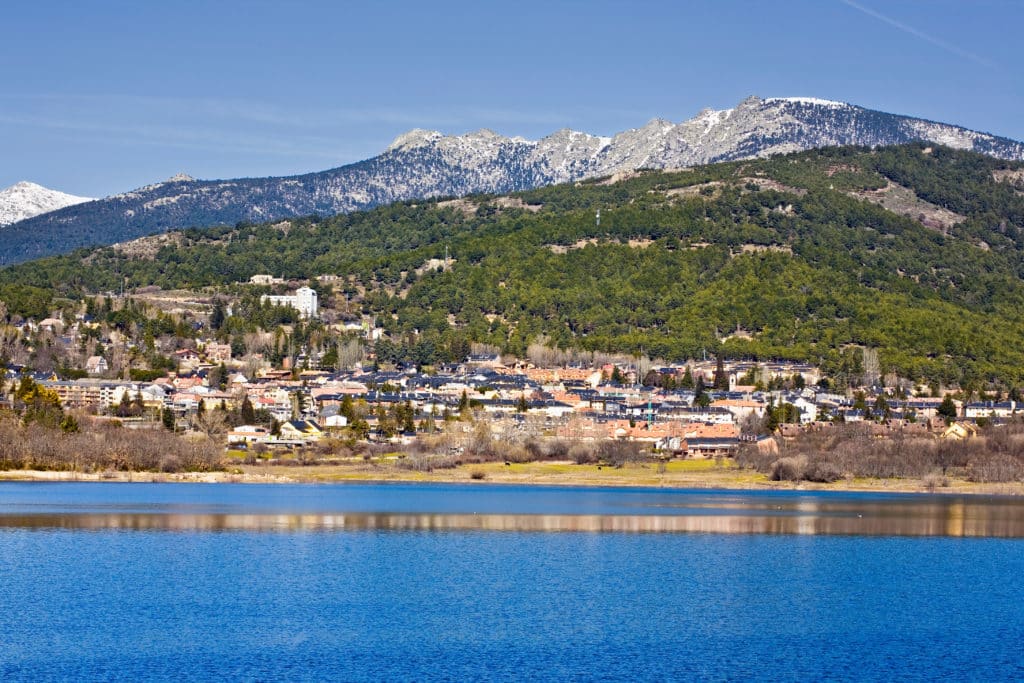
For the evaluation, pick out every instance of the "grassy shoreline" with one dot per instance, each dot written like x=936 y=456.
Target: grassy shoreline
x=683 y=474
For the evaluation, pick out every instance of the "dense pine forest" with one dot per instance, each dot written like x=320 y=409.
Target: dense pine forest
x=916 y=251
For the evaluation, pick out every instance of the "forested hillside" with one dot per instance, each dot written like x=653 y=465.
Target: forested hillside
x=790 y=257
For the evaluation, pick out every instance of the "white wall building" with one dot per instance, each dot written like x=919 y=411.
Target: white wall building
x=304 y=300
x=265 y=280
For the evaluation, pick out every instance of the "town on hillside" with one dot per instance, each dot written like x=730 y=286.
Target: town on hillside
x=120 y=359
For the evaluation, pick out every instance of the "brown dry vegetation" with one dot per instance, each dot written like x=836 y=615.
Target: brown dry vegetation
x=101 y=448
x=477 y=445
x=852 y=452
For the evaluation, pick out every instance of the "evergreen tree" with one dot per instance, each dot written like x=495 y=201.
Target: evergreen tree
x=218 y=314
x=721 y=381
x=947 y=409
x=167 y=419
x=247 y=413
x=700 y=396
x=138 y=405
x=881 y=409
x=771 y=422
x=68 y=424
x=347 y=408
x=38 y=404
x=124 y=407
x=408 y=419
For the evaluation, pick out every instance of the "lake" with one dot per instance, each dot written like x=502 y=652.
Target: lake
x=148 y=582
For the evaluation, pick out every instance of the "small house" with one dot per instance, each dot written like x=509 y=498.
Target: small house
x=96 y=365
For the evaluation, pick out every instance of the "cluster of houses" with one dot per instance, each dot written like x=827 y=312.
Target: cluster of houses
x=574 y=403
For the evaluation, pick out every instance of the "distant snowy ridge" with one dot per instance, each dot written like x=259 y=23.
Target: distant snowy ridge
x=26 y=200
x=754 y=128
x=421 y=164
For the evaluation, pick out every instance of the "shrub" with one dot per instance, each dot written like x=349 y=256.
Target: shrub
x=618 y=453
x=933 y=480
x=822 y=471
x=582 y=454
x=995 y=467
x=787 y=469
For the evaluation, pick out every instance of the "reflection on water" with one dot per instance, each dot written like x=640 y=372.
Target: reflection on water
x=928 y=517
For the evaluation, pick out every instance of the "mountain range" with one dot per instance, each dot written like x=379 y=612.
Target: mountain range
x=424 y=164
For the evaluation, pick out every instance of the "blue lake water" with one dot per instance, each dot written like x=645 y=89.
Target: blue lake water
x=434 y=582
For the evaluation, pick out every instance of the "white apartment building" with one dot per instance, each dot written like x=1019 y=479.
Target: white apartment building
x=304 y=300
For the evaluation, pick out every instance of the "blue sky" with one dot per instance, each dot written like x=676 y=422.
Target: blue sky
x=101 y=97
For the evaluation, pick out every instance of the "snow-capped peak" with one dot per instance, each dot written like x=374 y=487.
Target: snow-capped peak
x=25 y=200
x=417 y=137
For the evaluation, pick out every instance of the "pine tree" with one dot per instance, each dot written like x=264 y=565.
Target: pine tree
x=882 y=409
x=721 y=381
x=701 y=397
x=347 y=409
x=217 y=316
x=68 y=424
x=124 y=408
x=408 y=423
x=947 y=409
x=247 y=413
x=771 y=422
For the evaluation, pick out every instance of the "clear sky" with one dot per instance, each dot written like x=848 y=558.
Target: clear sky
x=104 y=96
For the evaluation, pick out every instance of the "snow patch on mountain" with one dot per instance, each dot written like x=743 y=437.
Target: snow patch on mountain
x=816 y=101
x=26 y=200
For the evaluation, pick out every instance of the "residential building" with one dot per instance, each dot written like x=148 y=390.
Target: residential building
x=304 y=300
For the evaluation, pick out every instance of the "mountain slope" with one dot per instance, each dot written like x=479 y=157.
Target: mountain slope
x=916 y=250
x=423 y=164
x=25 y=200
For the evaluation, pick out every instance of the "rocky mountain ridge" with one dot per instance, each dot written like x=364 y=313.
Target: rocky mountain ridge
x=423 y=164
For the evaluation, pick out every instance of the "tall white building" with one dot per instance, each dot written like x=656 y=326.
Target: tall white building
x=305 y=301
